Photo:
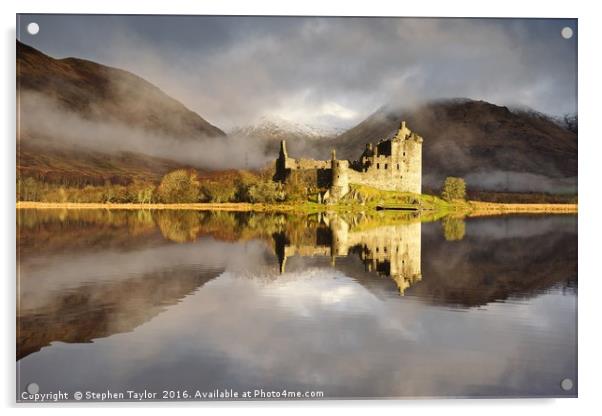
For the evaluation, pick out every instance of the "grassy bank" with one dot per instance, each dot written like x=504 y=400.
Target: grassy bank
x=359 y=199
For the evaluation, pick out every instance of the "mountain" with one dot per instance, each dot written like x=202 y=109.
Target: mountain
x=273 y=128
x=76 y=118
x=494 y=147
x=100 y=92
x=266 y=133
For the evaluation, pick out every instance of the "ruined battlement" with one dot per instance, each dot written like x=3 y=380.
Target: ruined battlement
x=392 y=164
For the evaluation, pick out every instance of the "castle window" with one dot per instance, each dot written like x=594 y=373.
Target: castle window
x=398 y=166
x=378 y=166
x=386 y=166
x=404 y=153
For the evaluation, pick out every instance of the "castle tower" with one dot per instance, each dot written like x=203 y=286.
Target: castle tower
x=406 y=159
x=283 y=152
x=414 y=162
x=281 y=165
x=340 y=176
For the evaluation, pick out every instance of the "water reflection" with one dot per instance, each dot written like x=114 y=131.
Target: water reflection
x=238 y=300
x=389 y=250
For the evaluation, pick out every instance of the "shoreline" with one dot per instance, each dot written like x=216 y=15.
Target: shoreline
x=477 y=208
x=483 y=209
x=227 y=206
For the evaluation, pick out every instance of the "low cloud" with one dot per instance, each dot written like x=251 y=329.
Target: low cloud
x=45 y=122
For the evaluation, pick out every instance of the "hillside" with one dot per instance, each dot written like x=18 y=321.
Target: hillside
x=78 y=166
x=73 y=114
x=486 y=143
x=99 y=92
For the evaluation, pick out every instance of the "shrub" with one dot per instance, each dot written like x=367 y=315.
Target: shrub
x=218 y=191
x=266 y=192
x=454 y=189
x=179 y=186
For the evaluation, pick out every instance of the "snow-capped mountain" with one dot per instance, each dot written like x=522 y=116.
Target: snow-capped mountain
x=277 y=128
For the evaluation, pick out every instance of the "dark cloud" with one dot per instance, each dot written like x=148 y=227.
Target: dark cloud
x=328 y=71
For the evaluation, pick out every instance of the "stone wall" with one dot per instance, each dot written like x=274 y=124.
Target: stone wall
x=321 y=178
x=303 y=164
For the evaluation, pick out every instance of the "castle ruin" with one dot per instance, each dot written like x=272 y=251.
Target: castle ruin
x=393 y=164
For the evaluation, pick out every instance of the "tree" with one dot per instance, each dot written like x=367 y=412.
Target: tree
x=454 y=189
x=140 y=192
x=179 y=186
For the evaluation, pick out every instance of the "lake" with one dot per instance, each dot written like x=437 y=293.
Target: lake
x=379 y=305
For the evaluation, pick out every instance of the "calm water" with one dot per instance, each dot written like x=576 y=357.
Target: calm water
x=385 y=306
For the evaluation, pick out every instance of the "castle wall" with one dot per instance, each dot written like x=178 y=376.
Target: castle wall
x=304 y=164
x=322 y=178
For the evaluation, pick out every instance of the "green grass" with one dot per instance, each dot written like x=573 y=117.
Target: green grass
x=365 y=199
x=368 y=197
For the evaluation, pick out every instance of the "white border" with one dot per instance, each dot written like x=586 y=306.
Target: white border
x=589 y=185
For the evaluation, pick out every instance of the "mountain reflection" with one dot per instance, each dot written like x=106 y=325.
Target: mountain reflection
x=85 y=275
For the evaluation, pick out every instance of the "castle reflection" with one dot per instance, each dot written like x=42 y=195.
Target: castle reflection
x=389 y=250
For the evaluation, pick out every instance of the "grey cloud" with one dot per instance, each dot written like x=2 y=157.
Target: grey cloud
x=234 y=69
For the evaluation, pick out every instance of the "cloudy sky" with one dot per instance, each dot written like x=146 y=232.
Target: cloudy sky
x=329 y=72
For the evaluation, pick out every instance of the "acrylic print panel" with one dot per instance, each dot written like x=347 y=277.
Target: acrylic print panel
x=308 y=208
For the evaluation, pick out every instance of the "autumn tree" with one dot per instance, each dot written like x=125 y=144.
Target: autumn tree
x=454 y=189
x=179 y=186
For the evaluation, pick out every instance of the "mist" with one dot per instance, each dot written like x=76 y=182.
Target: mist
x=45 y=121
x=521 y=182
x=508 y=181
